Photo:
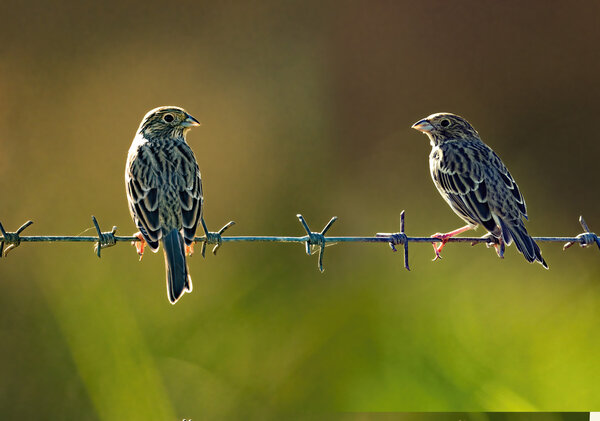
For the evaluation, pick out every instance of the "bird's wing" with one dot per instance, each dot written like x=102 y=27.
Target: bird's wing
x=142 y=182
x=189 y=187
x=457 y=171
x=508 y=181
x=509 y=208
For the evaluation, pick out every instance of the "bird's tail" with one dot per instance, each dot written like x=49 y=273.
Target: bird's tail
x=523 y=241
x=178 y=278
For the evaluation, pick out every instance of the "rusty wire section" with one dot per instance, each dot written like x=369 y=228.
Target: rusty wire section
x=313 y=241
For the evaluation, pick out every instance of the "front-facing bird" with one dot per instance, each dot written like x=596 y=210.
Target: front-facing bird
x=164 y=191
x=476 y=184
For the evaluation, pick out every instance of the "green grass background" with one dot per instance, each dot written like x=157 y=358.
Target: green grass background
x=306 y=107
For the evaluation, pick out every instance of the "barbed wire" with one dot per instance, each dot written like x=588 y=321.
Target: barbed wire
x=313 y=240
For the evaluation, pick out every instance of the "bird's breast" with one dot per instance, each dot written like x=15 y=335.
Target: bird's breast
x=435 y=157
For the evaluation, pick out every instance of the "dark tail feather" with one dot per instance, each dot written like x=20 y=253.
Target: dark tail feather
x=524 y=243
x=178 y=279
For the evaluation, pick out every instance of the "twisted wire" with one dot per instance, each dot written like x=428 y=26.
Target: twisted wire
x=313 y=240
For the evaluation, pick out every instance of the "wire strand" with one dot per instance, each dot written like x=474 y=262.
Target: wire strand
x=311 y=240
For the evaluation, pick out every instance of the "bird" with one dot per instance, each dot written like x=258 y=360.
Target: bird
x=477 y=185
x=164 y=191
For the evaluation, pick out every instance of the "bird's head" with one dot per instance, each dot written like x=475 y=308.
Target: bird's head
x=166 y=122
x=441 y=127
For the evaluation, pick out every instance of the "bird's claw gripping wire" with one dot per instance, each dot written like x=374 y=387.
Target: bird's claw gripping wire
x=443 y=239
x=11 y=239
x=316 y=239
x=140 y=244
x=397 y=238
x=105 y=239
x=493 y=241
x=213 y=237
x=584 y=239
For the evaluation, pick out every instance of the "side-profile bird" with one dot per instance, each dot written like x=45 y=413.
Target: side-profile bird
x=476 y=184
x=164 y=191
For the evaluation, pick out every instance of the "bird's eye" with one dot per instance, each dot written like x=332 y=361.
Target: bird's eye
x=445 y=123
x=168 y=118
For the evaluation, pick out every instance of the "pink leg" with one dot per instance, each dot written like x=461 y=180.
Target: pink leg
x=444 y=239
x=500 y=248
x=139 y=245
x=189 y=250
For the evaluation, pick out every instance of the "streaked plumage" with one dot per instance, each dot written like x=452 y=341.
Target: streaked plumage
x=164 y=190
x=475 y=183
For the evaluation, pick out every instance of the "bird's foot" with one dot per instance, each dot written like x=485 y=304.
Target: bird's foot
x=437 y=249
x=189 y=250
x=444 y=237
x=139 y=245
x=496 y=242
x=500 y=249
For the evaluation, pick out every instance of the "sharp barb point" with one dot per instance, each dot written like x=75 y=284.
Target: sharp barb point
x=213 y=237
x=313 y=241
x=304 y=223
x=316 y=239
x=105 y=239
x=25 y=225
x=329 y=224
x=321 y=252
x=11 y=240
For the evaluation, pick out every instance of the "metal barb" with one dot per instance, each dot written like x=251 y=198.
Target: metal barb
x=398 y=238
x=213 y=237
x=316 y=239
x=105 y=239
x=11 y=238
x=313 y=241
x=405 y=241
x=584 y=239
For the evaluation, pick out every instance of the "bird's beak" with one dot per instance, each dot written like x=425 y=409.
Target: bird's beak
x=190 y=122
x=422 y=126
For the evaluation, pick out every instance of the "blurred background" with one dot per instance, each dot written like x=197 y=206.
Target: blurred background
x=306 y=108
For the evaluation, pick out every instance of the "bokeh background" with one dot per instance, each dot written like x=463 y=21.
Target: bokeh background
x=306 y=107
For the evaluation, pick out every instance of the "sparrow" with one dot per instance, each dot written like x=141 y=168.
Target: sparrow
x=476 y=184
x=164 y=191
